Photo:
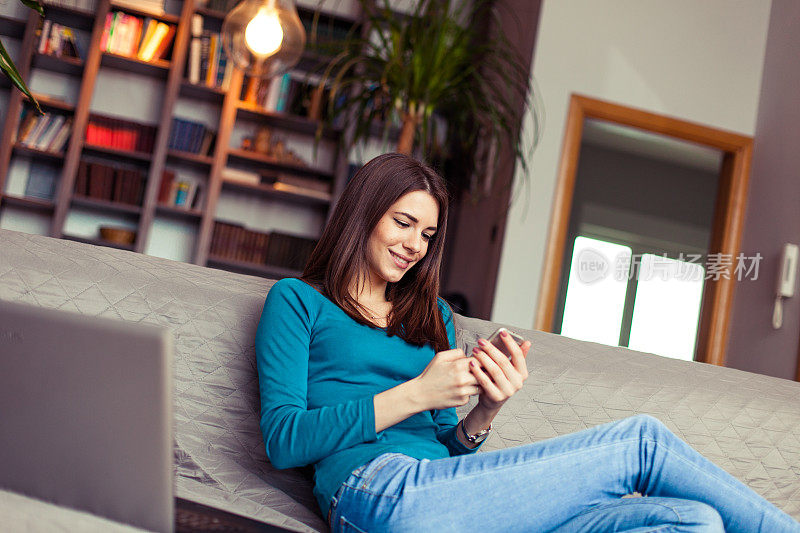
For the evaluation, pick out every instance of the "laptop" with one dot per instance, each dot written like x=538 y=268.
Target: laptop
x=86 y=413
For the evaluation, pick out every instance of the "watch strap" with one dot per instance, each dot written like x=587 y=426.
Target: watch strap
x=477 y=437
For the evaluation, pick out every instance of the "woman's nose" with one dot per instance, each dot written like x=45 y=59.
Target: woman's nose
x=413 y=243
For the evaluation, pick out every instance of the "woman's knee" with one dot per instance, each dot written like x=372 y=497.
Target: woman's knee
x=648 y=425
x=702 y=517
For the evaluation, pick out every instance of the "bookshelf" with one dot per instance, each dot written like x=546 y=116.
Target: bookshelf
x=151 y=218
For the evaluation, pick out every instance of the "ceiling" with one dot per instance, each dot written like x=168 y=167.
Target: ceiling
x=646 y=144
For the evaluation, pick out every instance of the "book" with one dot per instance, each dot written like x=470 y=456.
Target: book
x=195 y=49
x=165 y=44
x=42 y=179
x=147 y=52
x=167 y=177
x=155 y=7
x=59 y=142
x=236 y=175
x=44 y=36
x=50 y=132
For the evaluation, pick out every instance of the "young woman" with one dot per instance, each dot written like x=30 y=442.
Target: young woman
x=360 y=376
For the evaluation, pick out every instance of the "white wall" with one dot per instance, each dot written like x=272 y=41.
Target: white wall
x=699 y=61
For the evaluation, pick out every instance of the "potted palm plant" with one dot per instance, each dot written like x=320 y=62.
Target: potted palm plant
x=436 y=68
x=7 y=65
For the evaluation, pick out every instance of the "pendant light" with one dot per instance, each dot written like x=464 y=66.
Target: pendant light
x=264 y=38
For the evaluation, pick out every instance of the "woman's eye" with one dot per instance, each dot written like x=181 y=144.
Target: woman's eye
x=401 y=223
x=427 y=237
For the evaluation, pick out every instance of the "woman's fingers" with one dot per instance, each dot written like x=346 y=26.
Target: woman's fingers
x=518 y=360
x=498 y=376
x=486 y=385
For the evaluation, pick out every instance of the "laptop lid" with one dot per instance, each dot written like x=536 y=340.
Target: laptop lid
x=86 y=413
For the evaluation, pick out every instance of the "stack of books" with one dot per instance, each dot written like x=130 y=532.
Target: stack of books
x=179 y=192
x=208 y=63
x=285 y=94
x=237 y=243
x=145 y=39
x=303 y=186
x=58 y=40
x=105 y=182
x=48 y=132
x=120 y=134
x=190 y=136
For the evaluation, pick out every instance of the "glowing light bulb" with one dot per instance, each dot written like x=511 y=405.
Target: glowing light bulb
x=263 y=35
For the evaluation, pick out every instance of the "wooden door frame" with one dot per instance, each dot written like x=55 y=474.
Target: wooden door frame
x=728 y=219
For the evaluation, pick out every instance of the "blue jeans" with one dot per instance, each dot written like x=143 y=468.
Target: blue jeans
x=566 y=484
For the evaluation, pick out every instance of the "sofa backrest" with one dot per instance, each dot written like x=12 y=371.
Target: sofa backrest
x=746 y=423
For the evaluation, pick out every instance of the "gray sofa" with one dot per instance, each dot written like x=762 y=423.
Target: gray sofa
x=747 y=423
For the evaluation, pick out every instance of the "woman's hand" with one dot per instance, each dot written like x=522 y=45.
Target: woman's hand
x=447 y=381
x=498 y=377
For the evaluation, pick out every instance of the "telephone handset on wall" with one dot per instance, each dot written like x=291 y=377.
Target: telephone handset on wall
x=787 y=279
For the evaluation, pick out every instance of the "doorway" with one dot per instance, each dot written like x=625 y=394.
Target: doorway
x=574 y=216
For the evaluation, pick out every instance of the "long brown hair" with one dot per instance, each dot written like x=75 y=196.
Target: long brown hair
x=341 y=253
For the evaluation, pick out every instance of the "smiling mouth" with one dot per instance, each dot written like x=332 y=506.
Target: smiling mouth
x=400 y=261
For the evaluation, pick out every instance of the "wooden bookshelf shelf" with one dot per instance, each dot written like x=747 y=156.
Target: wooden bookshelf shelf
x=284 y=120
x=105 y=205
x=52 y=102
x=71 y=66
x=178 y=212
x=158 y=68
x=270 y=191
x=107 y=150
x=202 y=92
x=244 y=267
x=189 y=157
x=248 y=156
x=35 y=152
x=36 y=204
x=99 y=242
x=69 y=16
x=10 y=27
x=210 y=13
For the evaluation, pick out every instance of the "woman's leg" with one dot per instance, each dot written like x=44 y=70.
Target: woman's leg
x=647 y=515
x=544 y=485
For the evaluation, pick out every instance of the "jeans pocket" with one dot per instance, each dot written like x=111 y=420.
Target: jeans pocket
x=346 y=526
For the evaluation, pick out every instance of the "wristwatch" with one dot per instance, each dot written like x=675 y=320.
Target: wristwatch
x=477 y=437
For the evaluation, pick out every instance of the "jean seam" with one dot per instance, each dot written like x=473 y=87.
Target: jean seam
x=371 y=492
x=366 y=481
x=643 y=502
x=564 y=454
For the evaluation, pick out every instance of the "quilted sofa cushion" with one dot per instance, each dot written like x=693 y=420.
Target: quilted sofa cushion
x=746 y=423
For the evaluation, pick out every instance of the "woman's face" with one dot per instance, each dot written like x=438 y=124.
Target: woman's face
x=401 y=237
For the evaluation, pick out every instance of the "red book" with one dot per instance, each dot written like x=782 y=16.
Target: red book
x=119 y=182
x=82 y=179
x=167 y=177
x=108 y=183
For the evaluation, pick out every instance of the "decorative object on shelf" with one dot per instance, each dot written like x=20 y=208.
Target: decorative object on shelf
x=264 y=142
x=8 y=67
x=437 y=66
x=117 y=235
x=264 y=38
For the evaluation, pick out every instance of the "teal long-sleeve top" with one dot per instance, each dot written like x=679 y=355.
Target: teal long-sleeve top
x=318 y=371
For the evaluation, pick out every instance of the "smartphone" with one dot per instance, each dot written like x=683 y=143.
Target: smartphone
x=498 y=342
